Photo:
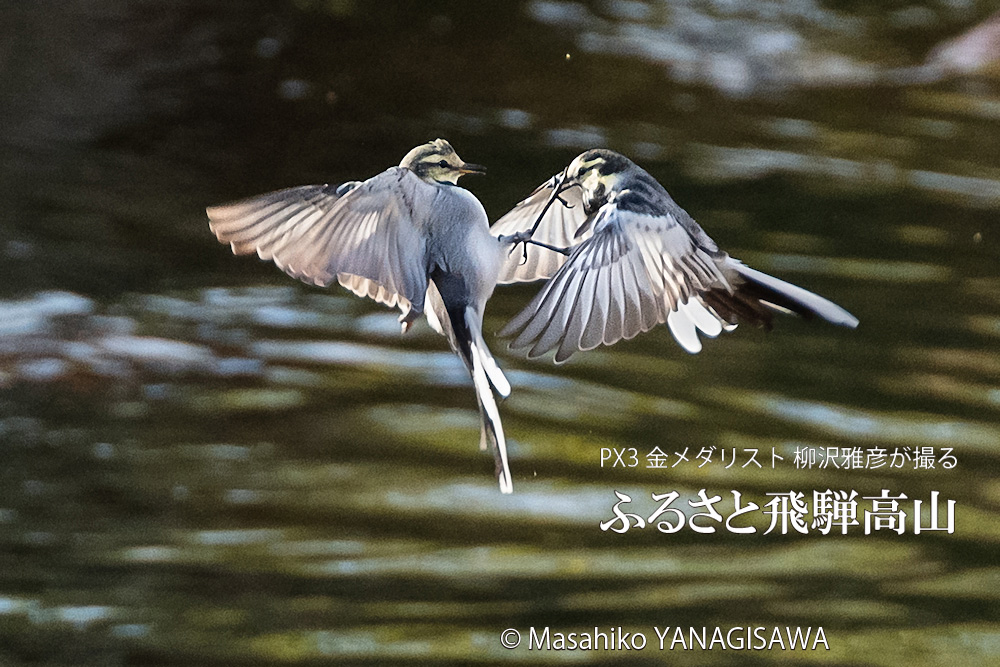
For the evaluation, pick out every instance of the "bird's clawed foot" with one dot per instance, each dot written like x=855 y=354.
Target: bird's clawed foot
x=560 y=199
x=559 y=186
x=525 y=237
x=516 y=239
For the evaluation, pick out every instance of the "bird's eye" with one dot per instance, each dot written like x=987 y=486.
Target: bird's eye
x=443 y=164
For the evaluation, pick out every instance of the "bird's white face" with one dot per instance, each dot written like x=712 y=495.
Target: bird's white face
x=438 y=162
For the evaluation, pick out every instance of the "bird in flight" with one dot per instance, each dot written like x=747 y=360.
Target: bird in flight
x=622 y=257
x=619 y=254
x=408 y=238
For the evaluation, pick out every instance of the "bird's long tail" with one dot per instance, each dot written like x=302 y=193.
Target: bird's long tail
x=462 y=325
x=777 y=293
x=486 y=377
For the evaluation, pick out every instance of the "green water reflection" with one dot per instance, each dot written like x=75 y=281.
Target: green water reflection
x=208 y=464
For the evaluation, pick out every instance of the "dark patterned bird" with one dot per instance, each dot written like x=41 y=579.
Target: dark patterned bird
x=622 y=257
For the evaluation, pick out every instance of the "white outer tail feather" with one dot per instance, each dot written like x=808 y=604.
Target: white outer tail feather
x=690 y=318
x=490 y=412
x=487 y=377
x=493 y=372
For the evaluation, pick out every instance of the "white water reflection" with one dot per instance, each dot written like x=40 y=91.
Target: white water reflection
x=744 y=49
x=869 y=427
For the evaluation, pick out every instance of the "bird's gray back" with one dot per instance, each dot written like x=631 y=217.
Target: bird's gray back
x=459 y=239
x=643 y=194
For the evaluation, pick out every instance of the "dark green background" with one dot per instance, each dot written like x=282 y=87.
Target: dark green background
x=207 y=463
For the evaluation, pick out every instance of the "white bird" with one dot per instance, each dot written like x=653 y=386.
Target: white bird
x=623 y=257
x=405 y=238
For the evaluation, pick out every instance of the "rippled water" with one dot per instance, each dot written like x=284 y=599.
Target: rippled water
x=206 y=463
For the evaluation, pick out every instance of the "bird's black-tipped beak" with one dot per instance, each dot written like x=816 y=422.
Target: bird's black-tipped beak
x=469 y=168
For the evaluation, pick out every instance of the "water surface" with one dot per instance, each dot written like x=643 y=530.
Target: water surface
x=207 y=463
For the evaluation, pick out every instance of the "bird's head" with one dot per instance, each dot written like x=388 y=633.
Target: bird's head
x=436 y=161
x=599 y=172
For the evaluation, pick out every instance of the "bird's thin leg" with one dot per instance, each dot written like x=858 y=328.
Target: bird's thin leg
x=525 y=236
x=563 y=201
x=562 y=251
x=556 y=192
x=514 y=239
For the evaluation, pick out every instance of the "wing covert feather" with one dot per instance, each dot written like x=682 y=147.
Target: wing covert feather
x=366 y=237
x=634 y=272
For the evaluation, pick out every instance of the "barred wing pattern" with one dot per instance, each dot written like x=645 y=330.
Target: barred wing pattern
x=365 y=236
x=635 y=272
x=558 y=228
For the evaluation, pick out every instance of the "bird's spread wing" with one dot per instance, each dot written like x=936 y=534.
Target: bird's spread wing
x=635 y=272
x=558 y=228
x=364 y=236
